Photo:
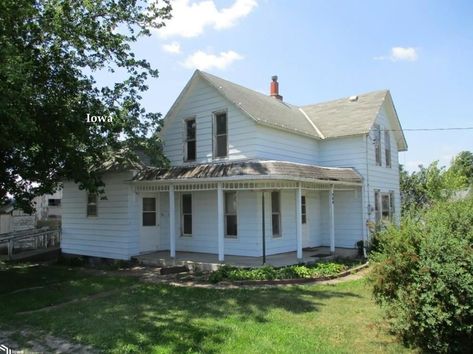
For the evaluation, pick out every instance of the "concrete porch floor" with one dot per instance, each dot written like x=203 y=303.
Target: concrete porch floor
x=209 y=261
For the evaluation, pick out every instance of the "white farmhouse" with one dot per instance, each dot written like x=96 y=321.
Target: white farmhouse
x=250 y=174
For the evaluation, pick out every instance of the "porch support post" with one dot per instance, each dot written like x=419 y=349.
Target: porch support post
x=220 y=223
x=332 y=220
x=299 y=221
x=172 y=222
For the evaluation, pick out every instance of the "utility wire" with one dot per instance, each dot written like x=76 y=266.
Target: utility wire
x=427 y=129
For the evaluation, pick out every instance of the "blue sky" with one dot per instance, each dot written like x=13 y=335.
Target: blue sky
x=421 y=50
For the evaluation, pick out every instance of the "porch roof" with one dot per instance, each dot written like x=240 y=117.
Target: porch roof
x=250 y=168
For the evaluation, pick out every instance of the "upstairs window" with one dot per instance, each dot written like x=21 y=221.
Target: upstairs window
x=377 y=144
x=276 y=213
x=91 y=204
x=220 y=135
x=387 y=148
x=190 y=150
x=149 y=211
x=304 y=209
x=231 y=214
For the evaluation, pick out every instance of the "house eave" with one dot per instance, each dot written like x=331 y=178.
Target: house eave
x=247 y=178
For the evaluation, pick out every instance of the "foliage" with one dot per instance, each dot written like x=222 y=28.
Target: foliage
x=267 y=272
x=463 y=165
x=423 y=274
x=49 y=53
x=149 y=317
x=421 y=189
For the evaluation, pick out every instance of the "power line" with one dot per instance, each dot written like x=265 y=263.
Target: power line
x=427 y=129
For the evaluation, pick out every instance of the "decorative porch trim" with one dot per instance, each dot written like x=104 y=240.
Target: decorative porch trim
x=163 y=186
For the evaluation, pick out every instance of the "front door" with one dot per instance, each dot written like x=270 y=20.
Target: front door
x=149 y=222
x=305 y=222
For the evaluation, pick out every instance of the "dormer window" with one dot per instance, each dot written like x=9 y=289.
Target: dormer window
x=190 y=143
x=220 y=135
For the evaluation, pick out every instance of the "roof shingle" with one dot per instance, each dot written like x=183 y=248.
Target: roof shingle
x=250 y=168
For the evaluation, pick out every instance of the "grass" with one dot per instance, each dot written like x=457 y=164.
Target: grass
x=157 y=318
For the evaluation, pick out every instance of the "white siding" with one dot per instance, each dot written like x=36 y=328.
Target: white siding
x=246 y=139
x=347 y=218
x=358 y=152
x=275 y=144
x=201 y=101
x=381 y=177
x=204 y=224
x=113 y=233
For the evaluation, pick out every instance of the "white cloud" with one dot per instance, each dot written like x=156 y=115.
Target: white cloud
x=203 y=61
x=400 y=54
x=174 y=48
x=190 y=19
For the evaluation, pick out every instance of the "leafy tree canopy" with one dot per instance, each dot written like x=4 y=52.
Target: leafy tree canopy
x=49 y=52
x=432 y=184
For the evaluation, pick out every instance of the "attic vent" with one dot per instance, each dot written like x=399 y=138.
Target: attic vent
x=353 y=98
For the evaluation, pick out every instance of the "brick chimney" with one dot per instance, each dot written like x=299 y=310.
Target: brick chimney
x=274 y=88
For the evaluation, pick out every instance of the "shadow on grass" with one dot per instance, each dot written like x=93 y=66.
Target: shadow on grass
x=154 y=317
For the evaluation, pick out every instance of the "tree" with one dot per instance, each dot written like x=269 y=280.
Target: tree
x=463 y=165
x=423 y=188
x=49 y=52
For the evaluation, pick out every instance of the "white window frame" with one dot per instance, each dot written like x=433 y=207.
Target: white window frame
x=187 y=140
x=387 y=149
x=149 y=212
x=183 y=214
x=377 y=145
x=88 y=203
x=214 y=134
x=231 y=214
x=279 y=213
x=303 y=209
x=379 y=210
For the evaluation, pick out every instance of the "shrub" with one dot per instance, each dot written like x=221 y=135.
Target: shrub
x=423 y=275
x=270 y=273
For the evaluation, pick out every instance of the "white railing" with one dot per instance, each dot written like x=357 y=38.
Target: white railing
x=29 y=240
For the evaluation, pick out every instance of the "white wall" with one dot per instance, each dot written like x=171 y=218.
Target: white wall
x=113 y=233
x=204 y=224
x=246 y=139
x=358 y=152
x=275 y=144
x=201 y=102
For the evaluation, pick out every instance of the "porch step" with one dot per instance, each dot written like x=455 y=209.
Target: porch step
x=169 y=264
x=174 y=270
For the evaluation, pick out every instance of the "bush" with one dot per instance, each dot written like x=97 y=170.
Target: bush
x=270 y=273
x=423 y=274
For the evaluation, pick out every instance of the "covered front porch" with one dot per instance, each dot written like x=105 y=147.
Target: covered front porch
x=277 y=210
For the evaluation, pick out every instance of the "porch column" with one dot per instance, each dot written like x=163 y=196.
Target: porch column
x=220 y=223
x=332 y=220
x=299 y=221
x=172 y=222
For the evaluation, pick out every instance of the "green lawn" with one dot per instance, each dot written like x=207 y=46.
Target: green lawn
x=152 y=318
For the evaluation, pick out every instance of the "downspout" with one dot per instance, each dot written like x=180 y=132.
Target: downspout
x=367 y=192
x=264 y=229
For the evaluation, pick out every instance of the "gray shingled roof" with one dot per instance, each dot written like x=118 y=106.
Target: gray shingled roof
x=262 y=108
x=250 y=168
x=342 y=117
x=345 y=117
